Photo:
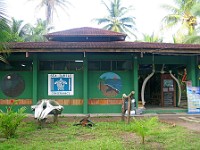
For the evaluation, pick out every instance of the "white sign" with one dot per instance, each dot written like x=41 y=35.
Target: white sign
x=60 y=84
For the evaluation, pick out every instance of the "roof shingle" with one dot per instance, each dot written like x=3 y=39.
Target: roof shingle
x=121 y=46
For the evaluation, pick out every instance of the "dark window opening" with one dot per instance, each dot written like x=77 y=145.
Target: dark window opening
x=60 y=65
x=111 y=65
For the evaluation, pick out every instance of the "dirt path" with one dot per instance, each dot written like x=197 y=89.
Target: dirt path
x=191 y=122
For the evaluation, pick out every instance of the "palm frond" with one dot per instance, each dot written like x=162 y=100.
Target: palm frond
x=117 y=18
x=107 y=7
x=102 y=20
x=172 y=20
x=193 y=39
x=3 y=59
x=171 y=9
x=195 y=10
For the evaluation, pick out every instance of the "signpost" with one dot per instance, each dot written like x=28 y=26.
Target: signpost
x=193 y=96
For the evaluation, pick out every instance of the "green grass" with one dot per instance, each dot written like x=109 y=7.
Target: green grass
x=103 y=136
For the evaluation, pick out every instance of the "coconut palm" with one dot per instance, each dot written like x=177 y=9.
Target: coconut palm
x=3 y=14
x=36 y=32
x=3 y=20
x=151 y=38
x=19 y=28
x=3 y=31
x=184 y=13
x=117 y=19
x=51 y=7
x=4 y=35
x=194 y=38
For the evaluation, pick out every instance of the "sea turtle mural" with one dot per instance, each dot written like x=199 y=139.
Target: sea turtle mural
x=110 y=84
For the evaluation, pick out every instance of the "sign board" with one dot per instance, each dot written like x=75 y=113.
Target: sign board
x=60 y=84
x=193 y=96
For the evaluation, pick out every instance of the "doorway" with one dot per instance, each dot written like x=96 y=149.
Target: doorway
x=168 y=91
x=161 y=89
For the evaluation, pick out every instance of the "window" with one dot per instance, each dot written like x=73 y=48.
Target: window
x=60 y=65
x=111 y=65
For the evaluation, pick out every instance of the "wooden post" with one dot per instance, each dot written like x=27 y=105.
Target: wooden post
x=129 y=110
x=124 y=98
x=123 y=107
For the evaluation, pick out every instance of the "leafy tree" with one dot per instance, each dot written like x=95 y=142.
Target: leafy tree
x=36 y=32
x=183 y=14
x=117 y=19
x=51 y=7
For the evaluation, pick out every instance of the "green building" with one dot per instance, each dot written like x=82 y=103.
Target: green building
x=87 y=70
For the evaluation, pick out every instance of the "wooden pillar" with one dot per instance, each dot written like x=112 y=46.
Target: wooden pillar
x=135 y=79
x=85 y=85
x=35 y=79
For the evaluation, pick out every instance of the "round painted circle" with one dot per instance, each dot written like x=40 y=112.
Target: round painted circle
x=12 y=85
x=110 y=84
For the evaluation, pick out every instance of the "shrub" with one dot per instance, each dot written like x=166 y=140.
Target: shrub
x=10 y=120
x=144 y=126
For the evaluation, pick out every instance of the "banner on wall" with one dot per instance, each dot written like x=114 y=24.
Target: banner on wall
x=60 y=84
x=193 y=96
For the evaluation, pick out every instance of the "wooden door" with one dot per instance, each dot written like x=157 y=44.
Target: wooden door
x=168 y=91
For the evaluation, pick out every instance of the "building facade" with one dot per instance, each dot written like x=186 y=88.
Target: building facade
x=87 y=70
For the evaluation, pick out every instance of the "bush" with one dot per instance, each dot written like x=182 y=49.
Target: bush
x=10 y=120
x=144 y=126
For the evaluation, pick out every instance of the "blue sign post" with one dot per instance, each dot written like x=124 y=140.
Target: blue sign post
x=60 y=84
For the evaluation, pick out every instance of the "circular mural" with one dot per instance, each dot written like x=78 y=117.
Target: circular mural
x=12 y=85
x=110 y=84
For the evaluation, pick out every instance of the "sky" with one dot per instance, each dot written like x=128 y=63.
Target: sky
x=148 y=13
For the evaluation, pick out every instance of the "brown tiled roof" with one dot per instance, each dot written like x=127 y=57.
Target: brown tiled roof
x=86 y=34
x=97 y=45
x=117 y=46
x=85 y=31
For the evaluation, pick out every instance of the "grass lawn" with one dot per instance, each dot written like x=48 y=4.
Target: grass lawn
x=103 y=136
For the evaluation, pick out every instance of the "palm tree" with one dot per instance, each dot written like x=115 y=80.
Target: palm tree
x=36 y=32
x=51 y=7
x=194 y=38
x=18 y=28
x=3 y=31
x=117 y=19
x=183 y=13
x=151 y=38
x=3 y=14
x=3 y=20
